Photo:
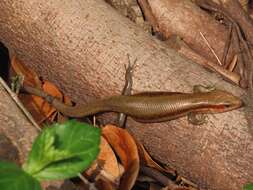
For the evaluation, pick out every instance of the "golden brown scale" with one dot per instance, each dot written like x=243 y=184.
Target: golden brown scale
x=150 y=106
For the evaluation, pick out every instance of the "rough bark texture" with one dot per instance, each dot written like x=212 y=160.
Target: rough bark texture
x=82 y=46
x=237 y=12
x=187 y=20
x=20 y=132
x=16 y=126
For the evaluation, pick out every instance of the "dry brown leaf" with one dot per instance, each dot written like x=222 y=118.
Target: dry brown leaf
x=37 y=106
x=106 y=165
x=149 y=162
x=125 y=147
x=51 y=89
x=30 y=77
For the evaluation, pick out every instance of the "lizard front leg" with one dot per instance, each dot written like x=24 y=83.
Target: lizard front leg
x=197 y=118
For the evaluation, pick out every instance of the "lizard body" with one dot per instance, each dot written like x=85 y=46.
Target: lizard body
x=150 y=106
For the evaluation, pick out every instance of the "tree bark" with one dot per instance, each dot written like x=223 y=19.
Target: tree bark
x=82 y=46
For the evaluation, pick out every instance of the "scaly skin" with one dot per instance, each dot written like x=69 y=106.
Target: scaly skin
x=150 y=106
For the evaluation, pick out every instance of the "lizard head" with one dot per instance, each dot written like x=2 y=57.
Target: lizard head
x=221 y=101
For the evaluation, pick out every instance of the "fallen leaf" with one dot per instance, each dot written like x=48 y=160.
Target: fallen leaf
x=106 y=164
x=125 y=147
x=37 y=106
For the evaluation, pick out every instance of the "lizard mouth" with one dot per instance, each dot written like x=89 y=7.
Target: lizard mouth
x=220 y=108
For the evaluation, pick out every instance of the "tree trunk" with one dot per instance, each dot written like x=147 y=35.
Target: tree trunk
x=82 y=46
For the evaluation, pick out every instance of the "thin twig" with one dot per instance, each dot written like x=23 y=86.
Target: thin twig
x=20 y=105
x=210 y=5
x=188 y=52
x=148 y=15
x=241 y=63
x=249 y=61
x=227 y=46
x=232 y=64
x=209 y=46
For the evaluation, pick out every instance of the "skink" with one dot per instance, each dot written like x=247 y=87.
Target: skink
x=150 y=106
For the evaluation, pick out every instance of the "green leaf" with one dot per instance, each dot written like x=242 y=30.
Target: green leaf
x=248 y=186
x=63 y=151
x=14 y=178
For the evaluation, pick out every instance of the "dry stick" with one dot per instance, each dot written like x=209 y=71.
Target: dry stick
x=249 y=62
x=148 y=15
x=185 y=50
x=249 y=58
x=209 y=46
x=248 y=72
x=214 y=7
x=242 y=40
x=232 y=64
x=227 y=46
x=249 y=55
x=241 y=63
x=20 y=105
x=242 y=18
